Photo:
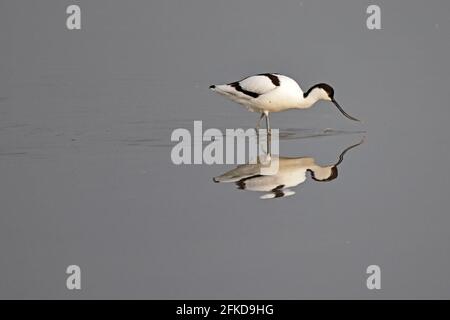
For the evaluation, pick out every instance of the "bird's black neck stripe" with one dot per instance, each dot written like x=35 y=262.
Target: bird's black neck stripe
x=275 y=80
x=306 y=94
x=238 y=87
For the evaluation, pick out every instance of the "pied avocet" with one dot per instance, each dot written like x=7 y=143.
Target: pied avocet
x=273 y=92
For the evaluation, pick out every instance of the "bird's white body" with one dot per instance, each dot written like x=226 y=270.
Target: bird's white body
x=273 y=92
x=271 y=98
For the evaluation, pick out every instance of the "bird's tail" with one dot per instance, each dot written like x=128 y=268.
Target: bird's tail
x=224 y=89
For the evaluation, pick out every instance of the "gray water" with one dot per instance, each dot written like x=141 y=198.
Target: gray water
x=86 y=176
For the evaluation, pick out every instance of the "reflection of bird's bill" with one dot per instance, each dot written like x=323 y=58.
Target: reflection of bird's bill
x=343 y=112
x=329 y=173
x=341 y=156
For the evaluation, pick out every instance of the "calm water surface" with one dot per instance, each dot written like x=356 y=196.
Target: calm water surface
x=86 y=175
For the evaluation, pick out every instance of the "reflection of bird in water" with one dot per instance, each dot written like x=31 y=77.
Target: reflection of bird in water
x=281 y=174
x=273 y=92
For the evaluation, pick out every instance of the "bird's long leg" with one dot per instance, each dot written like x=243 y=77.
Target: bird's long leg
x=268 y=133
x=268 y=123
x=259 y=122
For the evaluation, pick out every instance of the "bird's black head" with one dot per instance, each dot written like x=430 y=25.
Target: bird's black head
x=328 y=89
x=323 y=91
x=327 y=92
x=325 y=174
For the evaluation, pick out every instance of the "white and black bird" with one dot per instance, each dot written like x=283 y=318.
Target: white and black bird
x=273 y=92
x=282 y=173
